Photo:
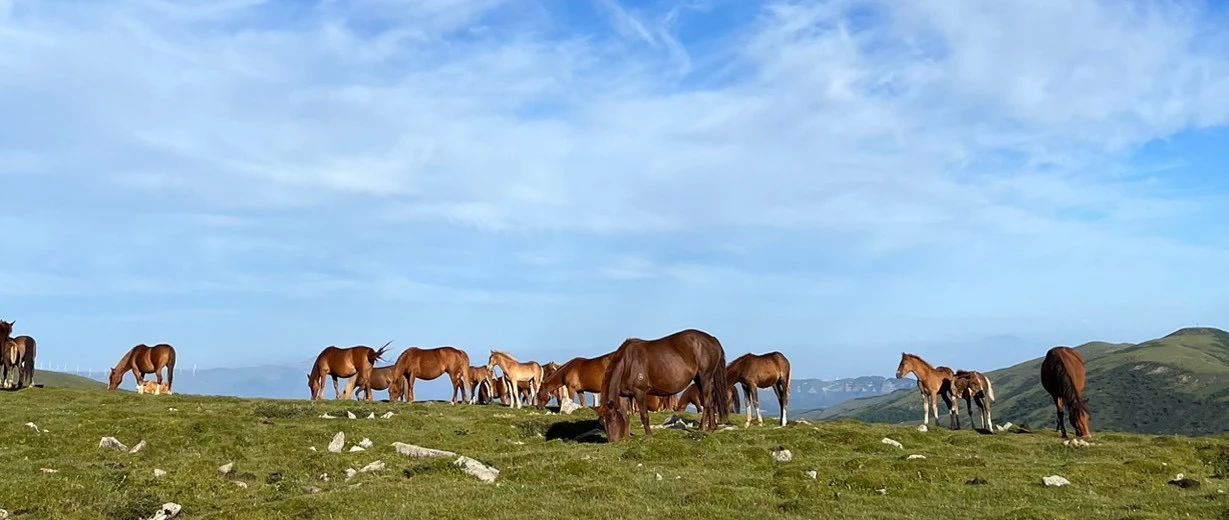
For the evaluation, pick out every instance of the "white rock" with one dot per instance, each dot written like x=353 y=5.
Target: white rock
x=371 y=415
x=312 y=448
x=172 y=409
x=326 y=415
x=168 y=511
x=1077 y=443
x=882 y=491
x=350 y=415
x=111 y=443
x=374 y=466
x=159 y=473
x=812 y=474
x=802 y=421
x=568 y=406
x=34 y=427
x=1180 y=476
x=922 y=428
x=225 y=469
x=356 y=449
x=1055 y=481
x=350 y=473
x=339 y=441
x=140 y=446
x=891 y=442
x=657 y=476
x=4 y=514
x=324 y=477
x=241 y=484
x=477 y=469
x=1004 y=427
x=419 y=452
x=782 y=455
x=387 y=415
x=49 y=471
x=365 y=443
x=916 y=457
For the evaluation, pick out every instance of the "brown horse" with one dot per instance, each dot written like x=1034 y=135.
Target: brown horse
x=381 y=378
x=542 y=398
x=344 y=363
x=754 y=372
x=429 y=363
x=515 y=372
x=143 y=359
x=973 y=386
x=691 y=397
x=18 y=354
x=664 y=367
x=578 y=376
x=931 y=382
x=480 y=381
x=1062 y=375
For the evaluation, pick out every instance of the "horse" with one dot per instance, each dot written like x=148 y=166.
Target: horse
x=973 y=386
x=381 y=378
x=515 y=372
x=429 y=363
x=151 y=387
x=480 y=381
x=344 y=363
x=578 y=376
x=663 y=367
x=754 y=372
x=931 y=383
x=143 y=359
x=18 y=354
x=691 y=397
x=559 y=393
x=656 y=403
x=1062 y=375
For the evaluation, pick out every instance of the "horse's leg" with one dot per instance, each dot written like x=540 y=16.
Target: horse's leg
x=349 y=392
x=984 y=404
x=750 y=404
x=1058 y=404
x=968 y=401
x=925 y=408
x=643 y=399
x=759 y=416
x=782 y=399
x=336 y=389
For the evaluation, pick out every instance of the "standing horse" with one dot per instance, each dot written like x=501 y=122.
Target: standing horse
x=972 y=386
x=18 y=354
x=515 y=372
x=754 y=372
x=559 y=393
x=143 y=359
x=1062 y=375
x=664 y=367
x=691 y=397
x=429 y=363
x=381 y=378
x=931 y=382
x=578 y=376
x=344 y=363
x=480 y=385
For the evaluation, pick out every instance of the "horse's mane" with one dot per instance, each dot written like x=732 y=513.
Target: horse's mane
x=127 y=357
x=504 y=354
x=918 y=359
x=964 y=373
x=556 y=377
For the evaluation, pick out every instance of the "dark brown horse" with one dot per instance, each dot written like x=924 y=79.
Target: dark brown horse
x=18 y=354
x=578 y=376
x=691 y=397
x=430 y=363
x=973 y=387
x=1062 y=375
x=344 y=363
x=381 y=379
x=754 y=372
x=664 y=367
x=932 y=383
x=141 y=360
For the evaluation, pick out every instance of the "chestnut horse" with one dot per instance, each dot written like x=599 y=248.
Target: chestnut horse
x=973 y=386
x=480 y=382
x=664 y=367
x=430 y=363
x=691 y=397
x=578 y=376
x=754 y=372
x=141 y=360
x=1062 y=375
x=381 y=378
x=18 y=354
x=344 y=363
x=515 y=372
x=543 y=398
x=931 y=382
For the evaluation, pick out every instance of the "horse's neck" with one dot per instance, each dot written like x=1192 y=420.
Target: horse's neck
x=126 y=361
x=921 y=369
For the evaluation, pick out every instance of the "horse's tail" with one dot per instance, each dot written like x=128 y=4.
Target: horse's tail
x=170 y=370
x=1067 y=391
x=785 y=389
x=10 y=352
x=27 y=368
x=989 y=388
x=721 y=392
x=378 y=354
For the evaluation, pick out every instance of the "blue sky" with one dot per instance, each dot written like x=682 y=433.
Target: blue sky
x=252 y=181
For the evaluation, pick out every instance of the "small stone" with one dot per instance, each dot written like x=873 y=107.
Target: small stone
x=1055 y=481
x=374 y=466
x=477 y=469
x=1004 y=427
x=812 y=474
x=326 y=415
x=802 y=421
x=172 y=409
x=240 y=483
x=882 y=491
x=49 y=471
x=350 y=473
x=311 y=490
x=1185 y=483
x=387 y=415
x=657 y=476
x=922 y=428
x=782 y=455
x=350 y=415
x=225 y=469
x=915 y=457
x=371 y=415
x=140 y=446
x=420 y=452
x=324 y=477
x=356 y=449
x=339 y=441
x=311 y=448
x=168 y=511
x=365 y=443
x=34 y=427
x=159 y=473
x=568 y=406
x=111 y=443
x=893 y=443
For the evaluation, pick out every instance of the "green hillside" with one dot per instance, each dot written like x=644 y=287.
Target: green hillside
x=62 y=473
x=1176 y=384
x=51 y=379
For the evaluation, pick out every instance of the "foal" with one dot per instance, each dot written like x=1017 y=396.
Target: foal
x=754 y=372
x=931 y=382
x=973 y=386
x=515 y=372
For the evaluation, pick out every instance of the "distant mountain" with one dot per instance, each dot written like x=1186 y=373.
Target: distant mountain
x=1175 y=384
x=817 y=394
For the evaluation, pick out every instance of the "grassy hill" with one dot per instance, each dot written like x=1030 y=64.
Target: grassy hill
x=51 y=379
x=719 y=475
x=1175 y=384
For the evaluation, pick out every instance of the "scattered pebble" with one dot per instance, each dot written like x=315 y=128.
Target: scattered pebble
x=350 y=473
x=657 y=476
x=915 y=457
x=365 y=443
x=350 y=415
x=356 y=449
x=168 y=511
x=371 y=415
x=140 y=446
x=34 y=427
x=312 y=448
x=782 y=455
x=812 y=474
x=893 y=443
x=1055 y=481
x=339 y=441
x=172 y=409
x=240 y=483
x=49 y=471
x=922 y=428
x=387 y=415
x=111 y=443
x=1004 y=427
x=477 y=469
x=324 y=477
x=882 y=491
x=225 y=469
x=326 y=415
x=159 y=473
x=374 y=466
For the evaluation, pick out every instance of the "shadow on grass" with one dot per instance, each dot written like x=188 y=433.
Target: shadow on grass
x=587 y=431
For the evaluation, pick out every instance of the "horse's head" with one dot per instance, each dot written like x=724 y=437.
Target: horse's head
x=6 y=329
x=1079 y=418
x=906 y=366
x=315 y=385
x=395 y=388
x=116 y=377
x=492 y=361
x=614 y=420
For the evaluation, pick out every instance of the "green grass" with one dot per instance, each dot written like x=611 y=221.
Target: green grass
x=61 y=380
x=1175 y=384
x=724 y=474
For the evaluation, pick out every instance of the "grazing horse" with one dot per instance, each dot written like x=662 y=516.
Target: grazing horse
x=664 y=367
x=754 y=372
x=515 y=372
x=578 y=376
x=1062 y=375
x=480 y=381
x=430 y=363
x=18 y=354
x=931 y=382
x=972 y=386
x=543 y=398
x=381 y=378
x=345 y=363
x=143 y=359
x=691 y=397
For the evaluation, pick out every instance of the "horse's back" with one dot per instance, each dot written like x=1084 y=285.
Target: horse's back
x=1062 y=360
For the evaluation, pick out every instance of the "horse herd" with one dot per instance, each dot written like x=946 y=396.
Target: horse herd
x=687 y=368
